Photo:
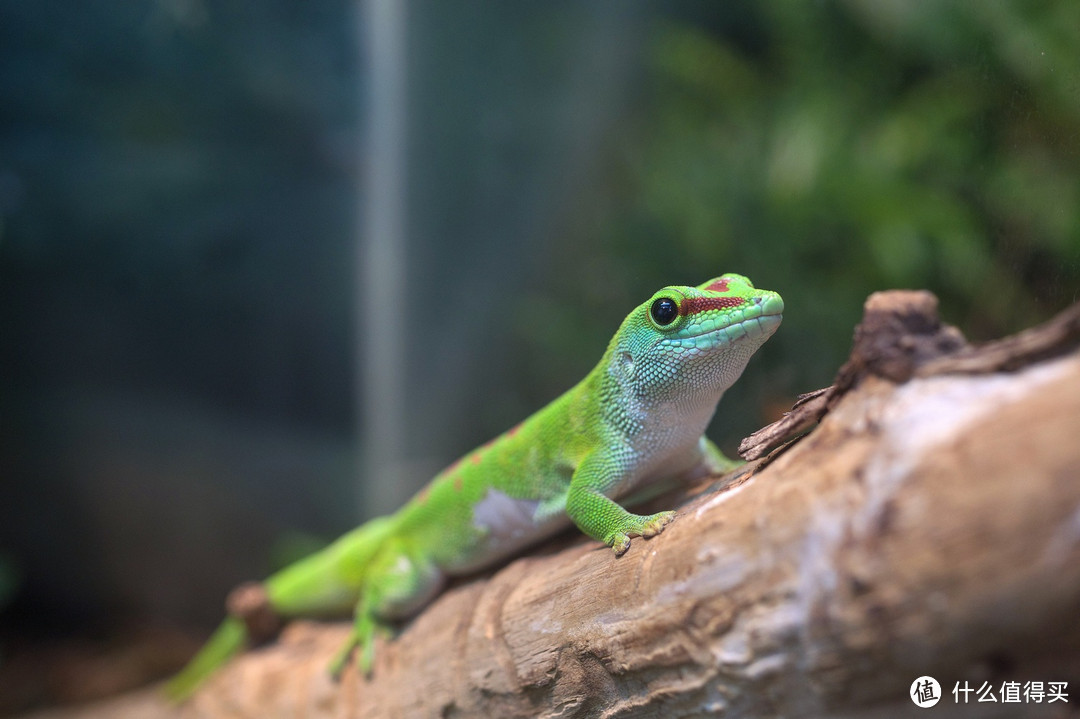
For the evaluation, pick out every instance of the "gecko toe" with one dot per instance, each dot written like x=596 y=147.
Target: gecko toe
x=656 y=523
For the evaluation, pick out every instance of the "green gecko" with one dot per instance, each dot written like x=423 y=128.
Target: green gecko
x=637 y=418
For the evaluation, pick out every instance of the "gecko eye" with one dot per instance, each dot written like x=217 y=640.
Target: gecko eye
x=664 y=311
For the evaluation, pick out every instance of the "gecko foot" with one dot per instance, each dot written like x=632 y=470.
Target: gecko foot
x=648 y=526
x=655 y=523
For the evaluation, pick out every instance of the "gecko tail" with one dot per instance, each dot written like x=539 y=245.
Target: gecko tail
x=324 y=584
x=229 y=639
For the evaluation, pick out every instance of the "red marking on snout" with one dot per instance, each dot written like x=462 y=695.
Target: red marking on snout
x=719 y=286
x=693 y=305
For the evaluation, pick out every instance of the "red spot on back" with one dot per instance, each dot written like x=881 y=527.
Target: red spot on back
x=475 y=459
x=458 y=483
x=422 y=495
x=694 y=305
x=513 y=430
x=719 y=286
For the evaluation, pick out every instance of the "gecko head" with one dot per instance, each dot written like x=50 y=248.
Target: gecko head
x=695 y=341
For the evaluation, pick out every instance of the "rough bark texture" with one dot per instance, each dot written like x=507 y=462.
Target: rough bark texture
x=930 y=524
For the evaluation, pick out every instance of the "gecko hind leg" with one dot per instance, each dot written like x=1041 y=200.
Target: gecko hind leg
x=716 y=461
x=366 y=628
x=397 y=585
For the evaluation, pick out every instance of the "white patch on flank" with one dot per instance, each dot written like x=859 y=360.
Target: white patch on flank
x=505 y=517
x=508 y=525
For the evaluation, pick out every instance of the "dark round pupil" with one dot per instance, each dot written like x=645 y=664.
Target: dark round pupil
x=664 y=311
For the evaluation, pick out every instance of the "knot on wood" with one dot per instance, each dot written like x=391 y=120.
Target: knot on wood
x=900 y=331
x=251 y=603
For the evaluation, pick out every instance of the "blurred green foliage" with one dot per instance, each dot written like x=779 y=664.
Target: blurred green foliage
x=829 y=150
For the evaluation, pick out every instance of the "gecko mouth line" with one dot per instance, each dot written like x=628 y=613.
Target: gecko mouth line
x=757 y=321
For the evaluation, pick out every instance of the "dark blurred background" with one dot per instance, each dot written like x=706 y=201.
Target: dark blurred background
x=265 y=267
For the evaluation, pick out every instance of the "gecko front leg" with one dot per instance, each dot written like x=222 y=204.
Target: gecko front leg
x=601 y=517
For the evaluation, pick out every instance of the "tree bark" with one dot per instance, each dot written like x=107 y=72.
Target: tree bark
x=929 y=525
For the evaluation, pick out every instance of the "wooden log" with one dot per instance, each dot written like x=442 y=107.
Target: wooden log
x=930 y=525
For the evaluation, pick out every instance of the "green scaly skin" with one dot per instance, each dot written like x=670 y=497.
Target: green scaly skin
x=637 y=418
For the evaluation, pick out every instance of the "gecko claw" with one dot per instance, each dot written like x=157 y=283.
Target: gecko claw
x=655 y=524
x=620 y=543
x=644 y=527
x=337 y=665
